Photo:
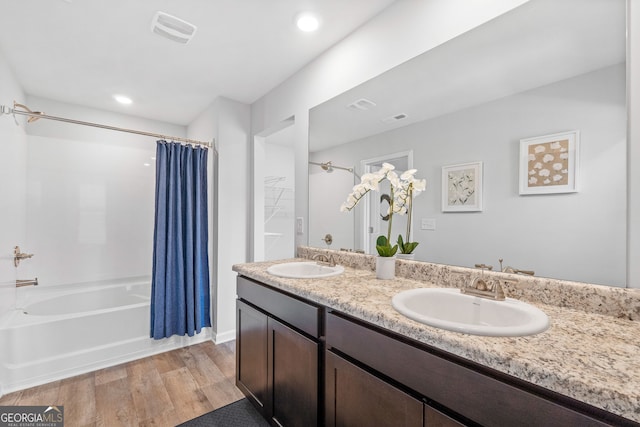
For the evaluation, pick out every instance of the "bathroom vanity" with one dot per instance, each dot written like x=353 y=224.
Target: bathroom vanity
x=334 y=352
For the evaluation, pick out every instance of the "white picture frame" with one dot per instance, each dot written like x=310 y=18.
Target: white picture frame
x=549 y=164
x=462 y=187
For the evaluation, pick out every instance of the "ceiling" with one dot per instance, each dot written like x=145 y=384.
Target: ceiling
x=84 y=51
x=538 y=43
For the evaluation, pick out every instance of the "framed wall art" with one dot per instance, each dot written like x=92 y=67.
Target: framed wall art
x=462 y=187
x=549 y=163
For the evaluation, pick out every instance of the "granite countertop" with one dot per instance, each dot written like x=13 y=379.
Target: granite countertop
x=590 y=357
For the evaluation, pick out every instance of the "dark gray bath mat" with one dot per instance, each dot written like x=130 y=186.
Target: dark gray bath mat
x=236 y=414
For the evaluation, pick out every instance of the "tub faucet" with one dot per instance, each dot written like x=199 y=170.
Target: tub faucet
x=323 y=259
x=28 y=282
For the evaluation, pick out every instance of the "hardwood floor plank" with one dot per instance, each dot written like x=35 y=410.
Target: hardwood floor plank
x=161 y=391
x=114 y=404
x=150 y=397
x=113 y=373
x=10 y=399
x=77 y=395
x=202 y=368
x=224 y=356
x=169 y=361
x=222 y=393
x=188 y=400
x=46 y=394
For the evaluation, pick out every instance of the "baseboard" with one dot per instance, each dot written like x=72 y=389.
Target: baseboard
x=219 y=338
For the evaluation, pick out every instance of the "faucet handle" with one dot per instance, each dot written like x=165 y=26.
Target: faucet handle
x=498 y=292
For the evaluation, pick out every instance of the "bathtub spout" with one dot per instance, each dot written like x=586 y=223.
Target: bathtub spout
x=28 y=282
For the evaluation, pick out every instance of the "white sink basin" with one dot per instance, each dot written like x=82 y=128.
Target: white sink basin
x=304 y=270
x=449 y=309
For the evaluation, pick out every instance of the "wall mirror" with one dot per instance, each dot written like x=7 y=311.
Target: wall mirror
x=544 y=68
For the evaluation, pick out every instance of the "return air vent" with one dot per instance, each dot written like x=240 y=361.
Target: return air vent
x=361 y=104
x=173 y=28
x=395 y=118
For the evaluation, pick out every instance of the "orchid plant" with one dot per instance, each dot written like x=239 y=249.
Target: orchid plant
x=403 y=189
x=409 y=188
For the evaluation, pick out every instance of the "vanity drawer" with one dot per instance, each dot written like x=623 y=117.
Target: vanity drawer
x=477 y=393
x=300 y=314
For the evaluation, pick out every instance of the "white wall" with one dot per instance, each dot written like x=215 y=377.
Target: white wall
x=586 y=243
x=13 y=163
x=228 y=122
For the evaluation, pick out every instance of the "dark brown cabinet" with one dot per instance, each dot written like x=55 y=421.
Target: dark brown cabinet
x=355 y=397
x=251 y=354
x=278 y=352
x=306 y=365
x=293 y=376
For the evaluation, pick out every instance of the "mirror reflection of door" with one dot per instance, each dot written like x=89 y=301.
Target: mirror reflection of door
x=376 y=216
x=274 y=189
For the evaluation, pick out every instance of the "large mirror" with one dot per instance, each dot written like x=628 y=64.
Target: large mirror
x=544 y=68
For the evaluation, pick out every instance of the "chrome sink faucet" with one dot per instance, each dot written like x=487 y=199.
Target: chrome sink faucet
x=323 y=259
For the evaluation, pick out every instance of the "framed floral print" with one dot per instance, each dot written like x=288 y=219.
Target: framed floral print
x=462 y=187
x=549 y=164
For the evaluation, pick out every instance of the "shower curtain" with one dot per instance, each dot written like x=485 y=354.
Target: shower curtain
x=180 y=280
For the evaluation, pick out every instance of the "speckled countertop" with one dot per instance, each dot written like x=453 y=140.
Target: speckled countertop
x=594 y=358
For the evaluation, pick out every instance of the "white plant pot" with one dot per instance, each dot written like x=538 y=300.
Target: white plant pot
x=385 y=267
x=406 y=256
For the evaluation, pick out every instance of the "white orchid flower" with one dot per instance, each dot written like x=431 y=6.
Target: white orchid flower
x=408 y=175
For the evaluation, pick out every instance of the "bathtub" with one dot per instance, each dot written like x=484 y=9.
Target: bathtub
x=63 y=331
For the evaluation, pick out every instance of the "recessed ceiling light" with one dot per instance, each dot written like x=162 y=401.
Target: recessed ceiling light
x=307 y=22
x=122 y=99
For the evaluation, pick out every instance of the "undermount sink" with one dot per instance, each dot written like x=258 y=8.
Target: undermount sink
x=449 y=309
x=304 y=270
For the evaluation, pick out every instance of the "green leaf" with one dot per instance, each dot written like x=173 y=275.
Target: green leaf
x=406 y=248
x=384 y=247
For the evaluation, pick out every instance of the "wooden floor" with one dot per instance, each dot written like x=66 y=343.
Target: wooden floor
x=162 y=390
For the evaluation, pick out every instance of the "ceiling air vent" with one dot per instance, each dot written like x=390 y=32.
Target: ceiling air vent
x=394 y=118
x=172 y=28
x=361 y=104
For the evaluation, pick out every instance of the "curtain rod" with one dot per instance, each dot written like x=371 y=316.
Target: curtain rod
x=35 y=115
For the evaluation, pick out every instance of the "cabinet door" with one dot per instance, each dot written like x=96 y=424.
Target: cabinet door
x=251 y=355
x=354 y=397
x=435 y=418
x=293 y=377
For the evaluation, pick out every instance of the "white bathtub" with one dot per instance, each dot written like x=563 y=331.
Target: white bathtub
x=67 y=330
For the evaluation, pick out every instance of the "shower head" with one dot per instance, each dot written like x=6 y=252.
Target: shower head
x=329 y=167
x=326 y=166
